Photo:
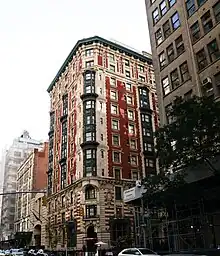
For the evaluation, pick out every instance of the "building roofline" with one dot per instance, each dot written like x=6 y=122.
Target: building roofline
x=98 y=40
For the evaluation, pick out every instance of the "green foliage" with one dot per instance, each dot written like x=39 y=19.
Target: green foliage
x=194 y=131
x=192 y=136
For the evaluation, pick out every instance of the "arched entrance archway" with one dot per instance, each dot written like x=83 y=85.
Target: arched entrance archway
x=91 y=238
x=37 y=235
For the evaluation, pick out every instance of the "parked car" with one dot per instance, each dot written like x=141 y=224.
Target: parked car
x=2 y=253
x=137 y=251
x=16 y=252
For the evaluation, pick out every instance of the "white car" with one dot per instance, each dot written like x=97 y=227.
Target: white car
x=2 y=253
x=137 y=251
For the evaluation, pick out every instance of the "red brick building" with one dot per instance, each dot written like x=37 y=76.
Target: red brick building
x=103 y=114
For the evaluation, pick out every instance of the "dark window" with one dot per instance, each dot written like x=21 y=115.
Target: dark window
x=195 y=31
x=127 y=73
x=89 y=52
x=179 y=45
x=116 y=157
x=115 y=139
x=162 y=60
x=127 y=63
x=166 y=29
x=207 y=22
x=63 y=201
x=184 y=72
x=163 y=8
x=117 y=173
x=213 y=49
x=89 y=63
x=174 y=76
x=90 y=192
x=201 y=59
x=63 y=217
x=170 y=53
x=65 y=105
x=201 y=2
x=216 y=9
x=158 y=37
x=89 y=162
x=63 y=176
x=188 y=95
x=118 y=193
x=155 y=15
x=175 y=21
x=190 y=7
x=91 y=211
x=112 y=68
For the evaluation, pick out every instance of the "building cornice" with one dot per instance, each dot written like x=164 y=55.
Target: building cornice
x=96 y=39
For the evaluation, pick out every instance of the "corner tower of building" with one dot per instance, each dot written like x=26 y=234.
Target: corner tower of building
x=102 y=119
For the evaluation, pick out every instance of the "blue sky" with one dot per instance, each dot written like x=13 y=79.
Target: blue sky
x=35 y=38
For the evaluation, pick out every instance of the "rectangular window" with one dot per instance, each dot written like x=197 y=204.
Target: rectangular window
x=112 y=68
x=179 y=45
x=115 y=125
x=207 y=22
x=129 y=100
x=166 y=85
x=155 y=15
x=201 y=2
x=142 y=78
x=174 y=76
x=115 y=140
x=133 y=144
x=89 y=52
x=127 y=74
x=171 y=2
x=184 y=72
x=116 y=157
x=127 y=63
x=131 y=115
x=146 y=132
x=111 y=57
x=90 y=104
x=91 y=211
x=114 y=109
x=148 y=147
x=213 y=50
x=201 y=59
x=170 y=53
x=145 y=118
x=113 y=95
x=163 y=8
x=118 y=193
x=117 y=173
x=89 y=64
x=112 y=81
x=131 y=129
x=141 y=68
x=134 y=175
x=149 y=163
x=216 y=10
x=128 y=86
x=133 y=160
x=166 y=29
x=175 y=21
x=158 y=37
x=90 y=136
x=190 y=7
x=195 y=32
x=162 y=60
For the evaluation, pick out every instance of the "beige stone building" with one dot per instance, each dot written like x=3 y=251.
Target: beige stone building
x=185 y=40
x=103 y=114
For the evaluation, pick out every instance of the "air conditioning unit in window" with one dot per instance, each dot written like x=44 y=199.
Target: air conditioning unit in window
x=207 y=81
x=138 y=183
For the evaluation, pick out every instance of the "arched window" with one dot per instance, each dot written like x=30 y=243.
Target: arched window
x=90 y=192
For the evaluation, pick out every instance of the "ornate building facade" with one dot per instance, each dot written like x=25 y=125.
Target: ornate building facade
x=102 y=118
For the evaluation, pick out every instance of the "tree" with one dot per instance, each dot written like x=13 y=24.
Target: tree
x=192 y=136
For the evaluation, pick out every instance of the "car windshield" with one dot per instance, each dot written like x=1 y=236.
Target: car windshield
x=146 y=251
